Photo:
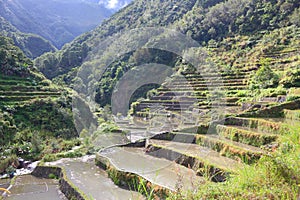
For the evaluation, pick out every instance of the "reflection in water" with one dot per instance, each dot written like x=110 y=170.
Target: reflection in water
x=109 y=139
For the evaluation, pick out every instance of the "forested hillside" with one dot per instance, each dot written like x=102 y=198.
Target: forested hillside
x=157 y=13
x=32 y=45
x=13 y=61
x=238 y=34
x=203 y=20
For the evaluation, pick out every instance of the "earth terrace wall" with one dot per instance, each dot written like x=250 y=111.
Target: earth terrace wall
x=273 y=111
x=259 y=124
x=292 y=114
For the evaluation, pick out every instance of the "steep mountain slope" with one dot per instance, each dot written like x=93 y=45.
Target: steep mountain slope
x=32 y=45
x=248 y=75
x=237 y=17
x=57 y=21
x=252 y=68
x=244 y=39
x=203 y=20
x=137 y=14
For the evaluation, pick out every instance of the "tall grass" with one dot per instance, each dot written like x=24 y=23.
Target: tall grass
x=274 y=176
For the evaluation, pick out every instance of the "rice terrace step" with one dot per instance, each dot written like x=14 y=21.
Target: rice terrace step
x=194 y=156
x=131 y=163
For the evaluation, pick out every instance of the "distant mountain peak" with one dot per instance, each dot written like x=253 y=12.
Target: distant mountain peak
x=59 y=21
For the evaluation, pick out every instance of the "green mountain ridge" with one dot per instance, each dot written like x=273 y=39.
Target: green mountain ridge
x=237 y=34
x=32 y=45
x=202 y=20
x=72 y=55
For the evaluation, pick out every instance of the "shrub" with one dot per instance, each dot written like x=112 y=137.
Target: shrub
x=242 y=93
x=264 y=78
x=5 y=163
x=49 y=158
x=74 y=154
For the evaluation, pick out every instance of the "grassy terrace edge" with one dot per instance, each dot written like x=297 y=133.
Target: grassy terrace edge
x=229 y=149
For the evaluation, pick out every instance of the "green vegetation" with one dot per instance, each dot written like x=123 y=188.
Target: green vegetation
x=273 y=176
x=235 y=17
x=8 y=162
x=203 y=20
x=72 y=55
x=35 y=115
x=245 y=136
x=12 y=59
x=44 y=136
x=128 y=62
x=32 y=45
x=53 y=155
x=292 y=114
x=264 y=77
x=229 y=149
x=249 y=41
x=292 y=78
x=34 y=127
x=52 y=176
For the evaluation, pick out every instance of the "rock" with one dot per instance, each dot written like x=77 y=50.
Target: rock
x=21 y=163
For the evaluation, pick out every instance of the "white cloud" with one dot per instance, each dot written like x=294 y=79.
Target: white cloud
x=113 y=4
x=110 y=4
